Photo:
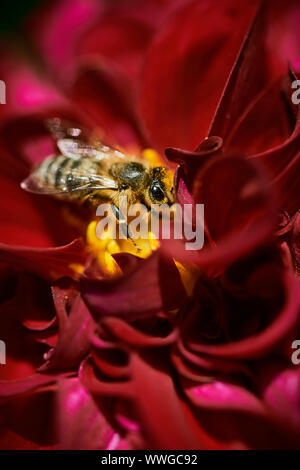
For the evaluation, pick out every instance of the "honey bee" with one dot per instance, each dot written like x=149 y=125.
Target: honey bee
x=87 y=171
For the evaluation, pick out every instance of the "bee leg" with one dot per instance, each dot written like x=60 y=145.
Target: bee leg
x=124 y=227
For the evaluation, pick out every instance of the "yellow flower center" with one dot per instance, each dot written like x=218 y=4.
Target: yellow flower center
x=105 y=247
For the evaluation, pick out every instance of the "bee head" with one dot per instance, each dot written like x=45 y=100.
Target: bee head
x=160 y=190
x=141 y=182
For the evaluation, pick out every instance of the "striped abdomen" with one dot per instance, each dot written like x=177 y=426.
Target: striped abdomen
x=65 y=174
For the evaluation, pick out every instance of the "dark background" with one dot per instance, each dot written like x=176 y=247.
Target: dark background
x=12 y=13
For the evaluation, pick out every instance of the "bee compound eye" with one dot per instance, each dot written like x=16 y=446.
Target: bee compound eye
x=156 y=193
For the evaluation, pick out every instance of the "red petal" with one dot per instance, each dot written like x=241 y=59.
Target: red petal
x=107 y=98
x=144 y=289
x=121 y=36
x=13 y=388
x=29 y=89
x=57 y=28
x=263 y=125
x=191 y=162
x=281 y=391
x=165 y=418
x=81 y=424
x=246 y=80
x=238 y=212
x=186 y=70
x=222 y=395
x=282 y=164
x=283 y=37
x=75 y=327
x=47 y=262
x=126 y=333
x=261 y=343
x=252 y=115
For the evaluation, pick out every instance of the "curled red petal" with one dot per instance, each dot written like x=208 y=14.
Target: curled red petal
x=239 y=213
x=99 y=385
x=143 y=290
x=126 y=333
x=75 y=325
x=263 y=342
x=191 y=162
x=167 y=422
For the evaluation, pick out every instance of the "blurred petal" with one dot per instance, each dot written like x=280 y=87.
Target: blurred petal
x=122 y=35
x=222 y=395
x=13 y=388
x=24 y=140
x=282 y=392
x=23 y=355
x=29 y=418
x=186 y=70
x=107 y=98
x=119 y=32
x=77 y=412
x=58 y=26
x=47 y=262
x=27 y=220
x=283 y=37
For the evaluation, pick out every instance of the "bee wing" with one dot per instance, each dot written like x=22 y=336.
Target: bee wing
x=75 y=142
x=77 y=149
x=83 y=182
x=60 y=128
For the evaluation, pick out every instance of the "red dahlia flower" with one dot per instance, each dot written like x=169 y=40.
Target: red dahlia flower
x=173 y=349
